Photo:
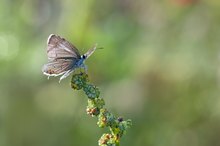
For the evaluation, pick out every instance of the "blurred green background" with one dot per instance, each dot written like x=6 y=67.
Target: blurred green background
x=159 y=67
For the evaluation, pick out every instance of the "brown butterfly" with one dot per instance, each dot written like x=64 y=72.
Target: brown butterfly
x=63 y=57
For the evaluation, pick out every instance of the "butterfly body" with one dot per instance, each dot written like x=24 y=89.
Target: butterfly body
x=63 y=57
x=80 y=62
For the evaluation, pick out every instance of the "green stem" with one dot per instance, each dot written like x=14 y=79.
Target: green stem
x=117 y=126
x=117 y=144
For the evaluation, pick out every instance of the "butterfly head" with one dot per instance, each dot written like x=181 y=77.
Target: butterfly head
x=83 y=56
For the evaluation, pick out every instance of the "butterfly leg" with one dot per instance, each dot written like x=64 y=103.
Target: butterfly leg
x=85 y=68
x=66 y=74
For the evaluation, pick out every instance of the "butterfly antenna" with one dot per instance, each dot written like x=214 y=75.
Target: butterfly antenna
x=100 y=48
x=83 y=49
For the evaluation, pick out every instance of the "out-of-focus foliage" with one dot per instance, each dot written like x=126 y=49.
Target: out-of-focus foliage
x=159 y=67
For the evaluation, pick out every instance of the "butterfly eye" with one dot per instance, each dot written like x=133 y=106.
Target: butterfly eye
x=84 y=56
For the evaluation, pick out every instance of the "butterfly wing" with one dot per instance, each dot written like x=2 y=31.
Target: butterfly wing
x=90 y=51
x=58 y=47
x=58 y=67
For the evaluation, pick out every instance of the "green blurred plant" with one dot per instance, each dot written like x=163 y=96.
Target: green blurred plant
x=95 y=107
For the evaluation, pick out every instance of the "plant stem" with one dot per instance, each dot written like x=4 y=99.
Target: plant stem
x=95 y=107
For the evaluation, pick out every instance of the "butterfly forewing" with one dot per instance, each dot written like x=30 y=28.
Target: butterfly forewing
x=58 y=47
x=90 y=51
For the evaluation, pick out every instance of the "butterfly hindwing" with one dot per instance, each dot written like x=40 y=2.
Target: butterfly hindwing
x=58 y=67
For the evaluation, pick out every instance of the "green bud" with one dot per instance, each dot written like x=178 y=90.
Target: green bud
x=91 y=91
x=78 y=81
x=120 y=128
x=106 y=118
x=97 y=102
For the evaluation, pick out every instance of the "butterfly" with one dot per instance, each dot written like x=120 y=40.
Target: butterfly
x=63 y=57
